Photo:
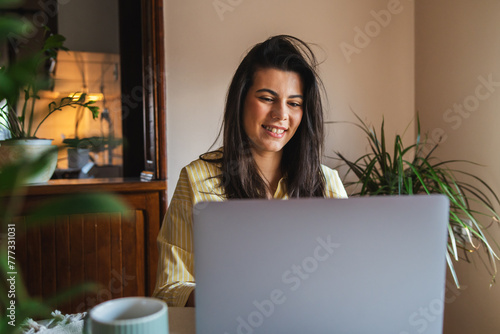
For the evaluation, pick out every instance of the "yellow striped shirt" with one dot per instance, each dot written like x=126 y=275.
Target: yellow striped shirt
x=197 y=183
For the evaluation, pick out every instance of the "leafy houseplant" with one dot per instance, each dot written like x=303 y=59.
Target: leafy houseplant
x=15 y=302
x=28 y=72
x=94 y=144
x=79 y=148
x=23 y=80
x=414 y=170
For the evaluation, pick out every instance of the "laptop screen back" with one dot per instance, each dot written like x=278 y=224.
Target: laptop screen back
x=358 y=265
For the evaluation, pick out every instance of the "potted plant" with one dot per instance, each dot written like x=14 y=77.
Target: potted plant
x=16 y=304
x=415 y=170
x=23 y=80
x=79 y=148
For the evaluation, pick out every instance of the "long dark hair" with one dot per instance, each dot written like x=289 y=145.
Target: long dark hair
x=300 y=162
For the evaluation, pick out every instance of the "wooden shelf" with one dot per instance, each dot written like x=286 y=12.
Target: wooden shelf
x=121 y=185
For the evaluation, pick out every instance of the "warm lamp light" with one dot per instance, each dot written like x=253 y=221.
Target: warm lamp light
x=75 y=96
x=95 y=97
x=90 y=96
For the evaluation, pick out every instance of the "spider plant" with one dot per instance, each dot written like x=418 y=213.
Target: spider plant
x=409 y=170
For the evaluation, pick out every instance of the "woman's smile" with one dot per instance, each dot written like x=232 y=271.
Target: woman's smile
x=277 y=132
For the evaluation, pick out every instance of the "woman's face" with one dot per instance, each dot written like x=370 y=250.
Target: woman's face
x=272 y=109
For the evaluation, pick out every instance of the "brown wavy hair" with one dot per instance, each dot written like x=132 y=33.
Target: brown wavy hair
x=300 y=162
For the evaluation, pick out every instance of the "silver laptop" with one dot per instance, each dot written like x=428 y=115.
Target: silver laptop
x=360 y=265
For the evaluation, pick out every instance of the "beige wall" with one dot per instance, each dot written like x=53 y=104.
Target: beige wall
x=204 y=47
x=457 y=44
x=456 y=49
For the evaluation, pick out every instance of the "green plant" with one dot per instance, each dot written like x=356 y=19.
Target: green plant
x=13 y=293
x=95 y=144
x=24 y=79
x=414 y=170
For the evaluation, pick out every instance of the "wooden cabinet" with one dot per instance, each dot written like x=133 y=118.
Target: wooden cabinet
x=117 y=252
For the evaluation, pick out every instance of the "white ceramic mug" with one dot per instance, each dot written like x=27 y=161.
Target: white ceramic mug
x=130 y=315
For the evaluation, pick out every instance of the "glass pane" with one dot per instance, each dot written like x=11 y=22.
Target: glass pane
x=99 y=140
x=92 y=148
x=93 y=67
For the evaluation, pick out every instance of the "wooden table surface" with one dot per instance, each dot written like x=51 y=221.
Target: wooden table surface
x=181 y=320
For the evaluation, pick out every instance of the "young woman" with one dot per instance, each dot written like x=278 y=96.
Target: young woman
x=272 y=144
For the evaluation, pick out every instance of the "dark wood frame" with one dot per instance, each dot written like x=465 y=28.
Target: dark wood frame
x=141 y=23
x=154 y=78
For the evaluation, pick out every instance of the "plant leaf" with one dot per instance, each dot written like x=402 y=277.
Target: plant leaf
x=80 y=203
x=412 y=171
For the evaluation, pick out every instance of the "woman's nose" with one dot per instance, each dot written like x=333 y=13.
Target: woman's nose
x=279 y=111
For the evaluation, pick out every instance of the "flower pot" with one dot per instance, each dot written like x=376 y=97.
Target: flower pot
x=14 y=149
x=78 y=157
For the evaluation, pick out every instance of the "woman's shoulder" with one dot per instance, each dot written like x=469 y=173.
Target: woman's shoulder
x=206 y=166
x=207 y=163
x=334 y=186
x=327 y=171
x=212 y=156
x=201 y=177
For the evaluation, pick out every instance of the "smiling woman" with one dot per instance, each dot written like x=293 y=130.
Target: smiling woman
x=271 y=115
x=273 y=136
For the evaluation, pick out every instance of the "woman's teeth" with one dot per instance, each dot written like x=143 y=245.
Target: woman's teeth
x=274 y=130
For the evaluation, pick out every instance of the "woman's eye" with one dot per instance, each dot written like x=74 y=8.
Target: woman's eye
x=266 y=99
x=294 y=104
